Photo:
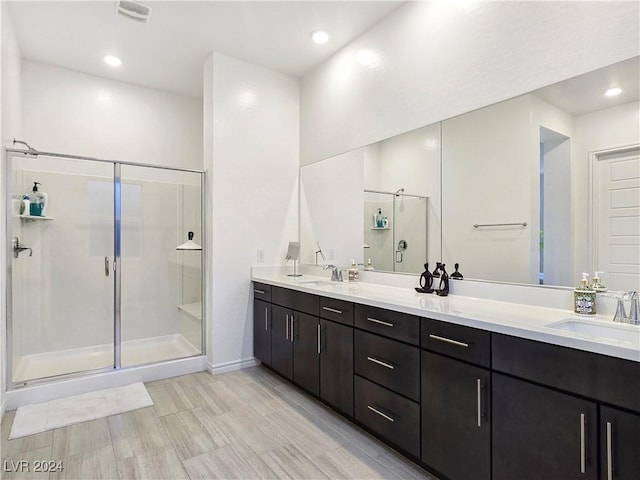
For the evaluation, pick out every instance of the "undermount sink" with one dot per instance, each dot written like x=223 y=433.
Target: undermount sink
x=619 y=332
x=317 y=283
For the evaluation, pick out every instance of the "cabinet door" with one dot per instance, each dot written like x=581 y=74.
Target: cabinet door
x=262 y=331
x=336 y=365
x=456 y=428
x=619 y=445
x=539 y=433
x=306 y=359
x=281 y=344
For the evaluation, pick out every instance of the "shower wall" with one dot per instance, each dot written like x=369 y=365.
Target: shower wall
x=49 y=301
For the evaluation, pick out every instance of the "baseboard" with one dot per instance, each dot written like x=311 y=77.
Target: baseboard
x=231 y=366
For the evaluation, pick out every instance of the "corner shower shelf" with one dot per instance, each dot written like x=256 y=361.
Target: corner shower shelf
x=380 y=228
x=34 y=217
x=193 y=309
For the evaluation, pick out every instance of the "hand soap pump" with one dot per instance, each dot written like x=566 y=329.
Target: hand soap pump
x=354 y=274
x=597 y=284
x=38 y=203
x=584 y=297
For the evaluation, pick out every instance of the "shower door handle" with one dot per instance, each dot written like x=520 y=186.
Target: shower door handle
x=106 y=266
x=401 y=256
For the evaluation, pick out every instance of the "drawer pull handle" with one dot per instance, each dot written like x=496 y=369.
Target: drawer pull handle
x=381 y=322
x=609 y=452
x=334 y=310
x=287 y=328
x=375 y=410
x=479 y=389
x=261 y=292
x=448 y=340
x=583 y=453
x=380 y=362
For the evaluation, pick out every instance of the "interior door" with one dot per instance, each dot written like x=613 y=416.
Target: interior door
x=61 y=278
x=617 y=229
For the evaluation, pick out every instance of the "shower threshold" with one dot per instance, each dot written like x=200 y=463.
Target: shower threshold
x=133 y=352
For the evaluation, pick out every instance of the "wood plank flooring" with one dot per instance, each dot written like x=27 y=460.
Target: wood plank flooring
x=247 y=424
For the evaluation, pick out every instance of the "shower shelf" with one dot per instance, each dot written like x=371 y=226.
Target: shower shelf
x=380 y=228
x=193 y=309
x=33 y=217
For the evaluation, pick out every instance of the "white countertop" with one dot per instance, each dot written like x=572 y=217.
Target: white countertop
x=514 y=319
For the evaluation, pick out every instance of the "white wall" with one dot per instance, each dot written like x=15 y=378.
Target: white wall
x=331 y=204
x=622 y=129
x=71 y=112
x=10 y=127
x=429 y=61
x=251 y=151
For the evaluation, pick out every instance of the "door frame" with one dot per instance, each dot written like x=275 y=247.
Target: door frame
x=593 y=195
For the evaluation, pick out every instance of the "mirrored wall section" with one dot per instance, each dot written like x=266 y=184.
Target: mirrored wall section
x=104 y=268
x=542 y=187
x=398 y=180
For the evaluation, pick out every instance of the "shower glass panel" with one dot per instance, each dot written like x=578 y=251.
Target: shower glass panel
x=410 y=234
x=161 y=293
x=61 y=278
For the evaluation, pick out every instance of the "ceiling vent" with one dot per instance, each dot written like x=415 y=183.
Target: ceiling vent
x=135 y=10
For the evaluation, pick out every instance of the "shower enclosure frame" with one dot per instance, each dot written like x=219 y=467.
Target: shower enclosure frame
x=394 y=240
x=117 y=318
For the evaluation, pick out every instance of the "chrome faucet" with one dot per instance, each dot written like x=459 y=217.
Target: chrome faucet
x=634 y=311
x=336 y=274
x=18 y=248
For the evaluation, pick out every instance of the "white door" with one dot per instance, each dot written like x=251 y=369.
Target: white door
x=617 y=209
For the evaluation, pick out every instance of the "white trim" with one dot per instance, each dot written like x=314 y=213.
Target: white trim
x=594 y=158
x=116 y=378
x=231 y=366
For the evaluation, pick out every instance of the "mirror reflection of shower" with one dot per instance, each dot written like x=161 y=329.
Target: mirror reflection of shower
x=399 y=242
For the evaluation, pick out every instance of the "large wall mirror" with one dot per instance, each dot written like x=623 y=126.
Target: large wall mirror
x=535 y=189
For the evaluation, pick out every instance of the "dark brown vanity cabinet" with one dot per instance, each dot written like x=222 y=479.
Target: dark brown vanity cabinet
x=456 y=422
x=306 y=362
x=619 y=444
x=262 y=331
x=387 y=380
x=456 y=400
x=541 y=433
x=336 y=354
x=281 y=340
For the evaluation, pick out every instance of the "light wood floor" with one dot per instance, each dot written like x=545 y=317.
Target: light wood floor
x=245 y=424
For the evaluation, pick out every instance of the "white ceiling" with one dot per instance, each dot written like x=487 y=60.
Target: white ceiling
x=585 y=93
x=168 y=52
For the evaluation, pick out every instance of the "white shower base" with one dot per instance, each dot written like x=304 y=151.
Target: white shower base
x=133 y=352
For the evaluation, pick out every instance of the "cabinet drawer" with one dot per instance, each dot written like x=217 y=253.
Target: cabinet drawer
x=389 y=363
x=300 y=301
x=262 y=291
x=465 y=343
x=336 y=310
x=388 y=414
x=600 y=377
x=400 y=326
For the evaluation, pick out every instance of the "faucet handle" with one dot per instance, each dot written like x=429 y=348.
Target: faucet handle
x=634 y=311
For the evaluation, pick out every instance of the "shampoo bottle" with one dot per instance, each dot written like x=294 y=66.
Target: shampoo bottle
x=584 y=297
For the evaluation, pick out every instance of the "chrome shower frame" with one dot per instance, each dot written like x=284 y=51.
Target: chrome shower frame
x=6 y=187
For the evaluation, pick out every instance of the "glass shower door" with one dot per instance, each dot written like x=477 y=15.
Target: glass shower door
x=161 y=289
x=60 y=267
x=410 y=234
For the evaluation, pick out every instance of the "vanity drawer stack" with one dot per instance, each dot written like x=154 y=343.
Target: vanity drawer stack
x=387 y=381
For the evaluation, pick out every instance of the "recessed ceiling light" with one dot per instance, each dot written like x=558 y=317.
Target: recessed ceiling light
x=319 y=36
x=112 y=61
x=612 y=92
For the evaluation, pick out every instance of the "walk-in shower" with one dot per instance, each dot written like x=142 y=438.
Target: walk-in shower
x=97 y=283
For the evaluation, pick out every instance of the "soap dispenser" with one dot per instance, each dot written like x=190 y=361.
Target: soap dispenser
x=584 y=297
x=354 y=273
x=379 y=217
x=597 y=284
x=37 y=205
x=369 y=265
